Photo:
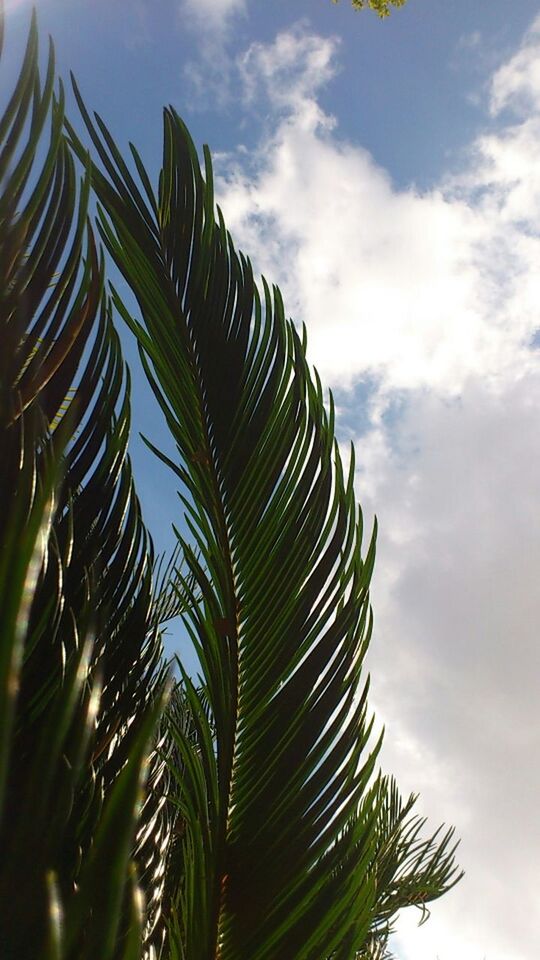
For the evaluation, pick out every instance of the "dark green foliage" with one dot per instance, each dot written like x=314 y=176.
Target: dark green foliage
x=264 y=830
x=80 y=672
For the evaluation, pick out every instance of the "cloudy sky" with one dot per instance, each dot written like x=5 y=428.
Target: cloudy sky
x=387 y=176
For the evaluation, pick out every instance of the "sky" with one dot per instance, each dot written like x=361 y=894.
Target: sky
x=387 y=176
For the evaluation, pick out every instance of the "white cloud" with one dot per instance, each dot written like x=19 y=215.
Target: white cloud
x=208 y=74
x=212 y=14
x=291 y=69
x=456 y=661
x=410 y=282
x=504 y=181
x=516 y=84
x=433 y=298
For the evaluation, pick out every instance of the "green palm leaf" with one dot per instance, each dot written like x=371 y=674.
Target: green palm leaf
x=81 y=676
x=408 y=869
x=281 y=814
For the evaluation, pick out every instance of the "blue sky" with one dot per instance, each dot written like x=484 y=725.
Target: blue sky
x=387 y=176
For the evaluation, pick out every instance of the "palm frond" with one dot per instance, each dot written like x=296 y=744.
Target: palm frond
x=281 y=811
x=408 y=869
x=411 y=869
x=81 y=676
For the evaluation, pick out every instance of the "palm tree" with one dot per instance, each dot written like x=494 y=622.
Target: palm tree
x=266 y=830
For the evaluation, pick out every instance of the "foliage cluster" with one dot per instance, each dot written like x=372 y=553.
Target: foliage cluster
x=381 y=7
x=239 y=816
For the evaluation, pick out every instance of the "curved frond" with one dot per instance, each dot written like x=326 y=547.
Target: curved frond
x=408 y=869
x=276 y=858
